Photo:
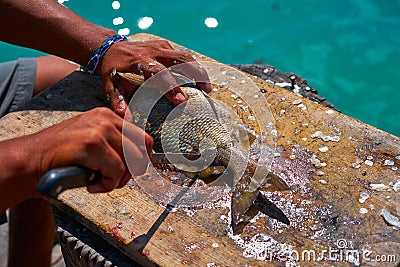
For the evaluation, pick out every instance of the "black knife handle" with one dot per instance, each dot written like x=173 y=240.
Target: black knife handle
x=57 y=180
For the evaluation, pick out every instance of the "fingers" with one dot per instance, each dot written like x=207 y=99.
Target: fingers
x=102 y=141
x=186 y=65
x=117 y=100
x=164 y=81
x=148 y=59
x=111 y=168
x=138 y=136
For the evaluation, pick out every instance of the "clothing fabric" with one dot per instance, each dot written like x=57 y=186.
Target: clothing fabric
x=3 y=218
x=17 y=81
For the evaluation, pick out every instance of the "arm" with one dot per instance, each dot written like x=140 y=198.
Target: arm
x=50 y=27
x=92 y=139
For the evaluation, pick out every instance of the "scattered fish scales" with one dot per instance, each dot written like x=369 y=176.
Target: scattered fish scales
x=316 y=162
x=283 y=84
x=323 y=149
x=245 y=108
x=396 y=186
x=122 y=210
x=302 y=107
x=190 y=130
x=356 y=165
x=264 y=248
x=297 y=101
x=369 y=162
x=363 y=210
x=215 y=245
x=326 y=138
x=379 y=187
x=388 y=162
x=390 y=218
x=363 y=197
x=296 y=89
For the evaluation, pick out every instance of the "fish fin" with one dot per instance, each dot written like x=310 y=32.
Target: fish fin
x=247 y=205
x=274 y=183
x=246 y=192
x=241 y=203
x=246 y=218
x=270 y=209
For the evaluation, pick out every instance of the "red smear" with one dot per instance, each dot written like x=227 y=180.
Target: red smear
x=133 y=235
x=115 y=231
x=146 y=252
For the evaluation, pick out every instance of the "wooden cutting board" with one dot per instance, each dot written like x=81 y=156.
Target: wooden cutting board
x=342 y=172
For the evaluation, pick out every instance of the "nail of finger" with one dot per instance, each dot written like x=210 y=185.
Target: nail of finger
x=120 y=107
x=118 y=103
x=172 y=97
x=204 y=86
x=180 y=97
x=128 y=115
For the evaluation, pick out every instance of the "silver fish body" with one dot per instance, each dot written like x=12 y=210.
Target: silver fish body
x=198 y=125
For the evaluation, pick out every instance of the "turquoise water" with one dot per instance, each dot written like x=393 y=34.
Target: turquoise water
x=348 y=50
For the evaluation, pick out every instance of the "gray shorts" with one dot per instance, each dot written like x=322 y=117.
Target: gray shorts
x=17 y=81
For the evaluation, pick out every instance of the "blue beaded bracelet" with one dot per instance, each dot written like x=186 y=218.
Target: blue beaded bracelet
x=94 y=60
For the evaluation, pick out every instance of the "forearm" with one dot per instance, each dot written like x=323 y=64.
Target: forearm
x=50 y=27
x=18 y=173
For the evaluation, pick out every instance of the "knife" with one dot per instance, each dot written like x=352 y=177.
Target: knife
x=60 y=179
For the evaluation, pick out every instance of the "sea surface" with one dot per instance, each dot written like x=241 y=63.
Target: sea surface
x=349 y=50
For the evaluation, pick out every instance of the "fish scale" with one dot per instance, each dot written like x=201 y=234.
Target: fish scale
x=182 y=128
x=194 y=126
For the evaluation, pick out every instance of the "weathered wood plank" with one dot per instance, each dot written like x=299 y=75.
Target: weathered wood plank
x=335 y=202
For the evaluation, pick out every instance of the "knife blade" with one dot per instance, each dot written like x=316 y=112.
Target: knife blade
x=167 y=158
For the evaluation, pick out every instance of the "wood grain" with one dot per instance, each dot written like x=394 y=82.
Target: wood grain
x=323 y=206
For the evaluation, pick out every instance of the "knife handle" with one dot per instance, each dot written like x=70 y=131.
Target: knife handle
x=57 y=180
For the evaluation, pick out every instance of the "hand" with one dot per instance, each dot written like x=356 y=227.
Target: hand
x=148 y=58
x=94 y=140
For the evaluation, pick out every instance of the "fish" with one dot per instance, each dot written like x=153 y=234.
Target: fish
x=201 y=125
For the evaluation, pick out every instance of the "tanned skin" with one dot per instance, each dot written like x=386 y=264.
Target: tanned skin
x=92 y=139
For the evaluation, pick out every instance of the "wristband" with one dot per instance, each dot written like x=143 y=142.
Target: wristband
x=94 y=60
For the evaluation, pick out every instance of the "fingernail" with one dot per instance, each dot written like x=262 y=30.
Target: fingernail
x=208 y=87
x=180 y=97
x=205 y=86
